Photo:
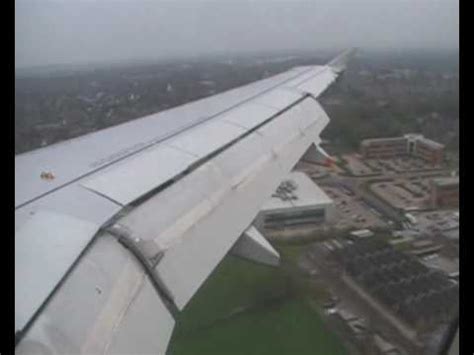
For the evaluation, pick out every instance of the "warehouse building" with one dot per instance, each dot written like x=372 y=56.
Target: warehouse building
x=298 y=202
x=445 y=192
x=410 y=144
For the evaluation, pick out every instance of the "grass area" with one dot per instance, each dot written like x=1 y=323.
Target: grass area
x=246 y=308
x=288 y=328
x=290 y=251
x=236 y=283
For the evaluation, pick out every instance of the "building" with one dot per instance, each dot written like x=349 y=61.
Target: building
x=298 y=202
x=445 y=192
x=362 y=233
x=424 y=247
x=346 y=315
x=449 y=267
x=380 y=148
x=410 y=144
x=384 y=347
x=411 y=218
x=427 y=149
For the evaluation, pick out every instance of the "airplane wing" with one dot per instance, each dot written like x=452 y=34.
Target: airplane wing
x=115 y=231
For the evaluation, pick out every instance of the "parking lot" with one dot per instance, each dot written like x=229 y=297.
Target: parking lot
x=449 y=267
x=351 y=212
x=356 y=166
x=316 y=171
x=398 y=165
x=437 y=222
x=405 y=194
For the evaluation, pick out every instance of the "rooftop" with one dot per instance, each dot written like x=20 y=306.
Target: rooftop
x=297 y=190
x=362 y=233
x=386 y=139
x=452 y=233
x=422 y=243
x=382 y=344
x=413 y=136
x=431 y=143
x=447 y=181
x=346 y=315
x=409 y=136
x=448 y=266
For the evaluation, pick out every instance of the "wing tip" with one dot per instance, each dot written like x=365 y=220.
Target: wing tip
x=339 y=63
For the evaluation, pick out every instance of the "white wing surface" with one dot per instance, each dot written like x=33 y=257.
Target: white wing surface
x=115 y=231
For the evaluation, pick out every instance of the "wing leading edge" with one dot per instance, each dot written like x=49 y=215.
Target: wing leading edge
x=163 y=205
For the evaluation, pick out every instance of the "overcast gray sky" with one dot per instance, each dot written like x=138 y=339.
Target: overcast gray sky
x=82 y=31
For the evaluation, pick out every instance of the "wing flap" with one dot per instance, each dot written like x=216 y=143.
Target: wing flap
x=128 y=180
x=196 y=240
x=42 y=241
x=106 y=306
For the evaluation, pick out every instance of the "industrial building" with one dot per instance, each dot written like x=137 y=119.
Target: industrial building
x=445 y=192
x=298 y=202
x=410 y=144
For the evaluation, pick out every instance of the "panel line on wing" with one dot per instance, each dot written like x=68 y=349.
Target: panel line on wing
x=154 y=142
x=321 y=70
x=196 y=164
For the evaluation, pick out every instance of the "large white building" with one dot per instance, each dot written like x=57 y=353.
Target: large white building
x=298 y=202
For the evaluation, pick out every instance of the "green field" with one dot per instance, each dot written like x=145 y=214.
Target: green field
x=246 y=308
